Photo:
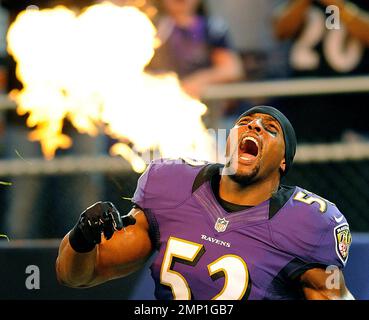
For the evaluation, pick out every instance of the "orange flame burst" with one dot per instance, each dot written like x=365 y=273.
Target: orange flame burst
x=90 y=69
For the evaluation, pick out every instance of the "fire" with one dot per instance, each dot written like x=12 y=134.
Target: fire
x=89 y=68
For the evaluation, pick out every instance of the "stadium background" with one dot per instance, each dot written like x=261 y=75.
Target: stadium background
x=337 y=169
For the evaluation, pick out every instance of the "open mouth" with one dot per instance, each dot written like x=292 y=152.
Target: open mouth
x=249 y=148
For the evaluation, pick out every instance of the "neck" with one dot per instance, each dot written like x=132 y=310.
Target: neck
x=250 y=195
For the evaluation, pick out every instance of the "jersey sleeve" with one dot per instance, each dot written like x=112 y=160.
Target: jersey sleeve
x=333 y=249
x=315 y=235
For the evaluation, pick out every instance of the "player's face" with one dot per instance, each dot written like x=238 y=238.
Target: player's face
x=255 y=148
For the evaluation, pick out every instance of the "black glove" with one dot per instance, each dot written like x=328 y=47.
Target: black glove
x=102 y=217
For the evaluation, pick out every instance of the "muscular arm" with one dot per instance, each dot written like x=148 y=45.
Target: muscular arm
x=314 y=286
x=289 y=18
x=123 y=254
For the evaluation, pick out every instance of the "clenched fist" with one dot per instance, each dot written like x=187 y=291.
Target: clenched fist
x=100 y=218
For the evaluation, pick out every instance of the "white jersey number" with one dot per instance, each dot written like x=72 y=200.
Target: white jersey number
x=309 y=199
x=342 y=52
x=232 y=267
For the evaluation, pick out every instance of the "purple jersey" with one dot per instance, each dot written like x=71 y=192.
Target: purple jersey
x=208 y=253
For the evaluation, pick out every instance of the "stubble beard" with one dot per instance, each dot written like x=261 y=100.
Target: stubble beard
x=244 y=179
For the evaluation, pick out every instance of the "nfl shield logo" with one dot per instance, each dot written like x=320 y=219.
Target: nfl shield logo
x=221 y=225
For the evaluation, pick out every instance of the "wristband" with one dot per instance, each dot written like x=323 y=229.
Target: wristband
x=78 y=242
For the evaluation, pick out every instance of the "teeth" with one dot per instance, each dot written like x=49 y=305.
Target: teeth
x=250 y=138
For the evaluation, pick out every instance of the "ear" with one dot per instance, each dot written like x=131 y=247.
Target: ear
x=282 y=166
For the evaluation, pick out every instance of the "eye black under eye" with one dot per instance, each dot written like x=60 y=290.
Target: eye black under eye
x=271 y=128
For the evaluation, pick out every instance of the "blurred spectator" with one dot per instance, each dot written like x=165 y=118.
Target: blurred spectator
x=325 y=43
x=253 y=36
x=262 y=56
x=195 y=46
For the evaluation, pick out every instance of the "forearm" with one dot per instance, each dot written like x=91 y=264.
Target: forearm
x=75 y=269
x=81 y=270
x=289 y=18
x=356 y=21
x=81 y=264
x=226 y=67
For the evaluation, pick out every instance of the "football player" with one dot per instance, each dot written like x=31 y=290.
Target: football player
x=221 y=232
